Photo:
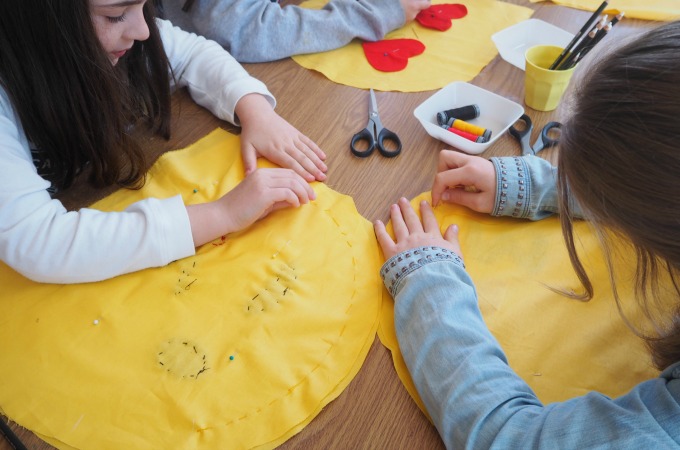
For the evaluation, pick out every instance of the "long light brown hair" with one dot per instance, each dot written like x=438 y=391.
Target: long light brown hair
x=619 y=159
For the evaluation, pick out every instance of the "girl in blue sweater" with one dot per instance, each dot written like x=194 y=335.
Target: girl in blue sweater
x=619 y=159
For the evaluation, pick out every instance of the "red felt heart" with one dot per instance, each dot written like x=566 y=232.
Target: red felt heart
x=439 y=16
x=391 y=55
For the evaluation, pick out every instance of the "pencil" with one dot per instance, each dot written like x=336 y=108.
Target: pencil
x=575 y=55
x=618 y=17
x=607 y=29
x=567 y=62
x=597 y=39
x=578 y=36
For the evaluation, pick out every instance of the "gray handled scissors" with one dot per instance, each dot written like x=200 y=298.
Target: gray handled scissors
x=375 y=135
x=521 y=130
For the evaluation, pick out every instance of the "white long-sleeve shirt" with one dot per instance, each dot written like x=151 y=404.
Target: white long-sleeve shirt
x=40 y=239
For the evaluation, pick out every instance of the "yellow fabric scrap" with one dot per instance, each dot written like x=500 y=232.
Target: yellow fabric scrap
x=665 y=10
x=457 y=54
x=239 y=346
x=563 y=348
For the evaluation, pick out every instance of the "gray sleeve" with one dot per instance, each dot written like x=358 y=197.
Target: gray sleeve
x=261 y=30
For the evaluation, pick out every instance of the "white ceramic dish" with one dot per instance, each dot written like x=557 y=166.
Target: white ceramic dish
x=514 y=41
x=495 y=113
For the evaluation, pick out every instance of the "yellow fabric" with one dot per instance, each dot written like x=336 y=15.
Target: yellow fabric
x=640 y=9
x=144 y=361
x=457 y=54
x=562 y=348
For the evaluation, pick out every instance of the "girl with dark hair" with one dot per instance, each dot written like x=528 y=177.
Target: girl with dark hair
x=618 y=167
x=77 y=77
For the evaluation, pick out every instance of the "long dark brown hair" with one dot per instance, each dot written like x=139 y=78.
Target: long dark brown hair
x=620 y=159
x=72 y=103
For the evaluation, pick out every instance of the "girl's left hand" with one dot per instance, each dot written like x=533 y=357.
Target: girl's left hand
x=410 y=233
x=265 y=133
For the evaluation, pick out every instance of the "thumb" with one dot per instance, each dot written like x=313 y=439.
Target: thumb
x=460 y=197
x=451 y=234
x=249 y=159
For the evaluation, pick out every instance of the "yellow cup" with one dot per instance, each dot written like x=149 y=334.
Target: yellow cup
x=543 y=88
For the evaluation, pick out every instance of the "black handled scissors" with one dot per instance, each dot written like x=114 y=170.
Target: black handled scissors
x=375 y=135
x=549 y=137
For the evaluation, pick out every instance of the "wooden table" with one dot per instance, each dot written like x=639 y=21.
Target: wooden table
x=375 y=411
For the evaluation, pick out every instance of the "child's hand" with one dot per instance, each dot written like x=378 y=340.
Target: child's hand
x=413 y=7
x=267 y=134
x=260 y=193
x=409 y=233
x=466 y=180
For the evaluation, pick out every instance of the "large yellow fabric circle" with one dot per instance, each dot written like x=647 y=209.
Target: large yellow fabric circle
x=239 y=346
x=563 y=348
x=457 y=54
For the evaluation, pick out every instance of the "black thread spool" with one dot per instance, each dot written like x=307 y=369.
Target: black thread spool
x=468 y=112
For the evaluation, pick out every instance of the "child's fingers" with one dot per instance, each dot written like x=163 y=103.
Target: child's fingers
x=411 y=219
x=430 y=224
x=384 y=239
x=449 y=159
x=310 y=161
x=315 y=148
x=451 y=234
x=288 y=178
x=249 y=156
x=453 y=179
x=286 y=160
x=398 y=225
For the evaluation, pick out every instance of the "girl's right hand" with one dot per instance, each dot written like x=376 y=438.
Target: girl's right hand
x=466 y=180
x=266 y=134
x=260 y=193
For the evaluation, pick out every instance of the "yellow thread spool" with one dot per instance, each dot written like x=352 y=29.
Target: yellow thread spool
x=474 y=129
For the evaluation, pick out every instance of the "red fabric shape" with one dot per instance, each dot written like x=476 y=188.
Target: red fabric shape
x=391 y=55
x=439 y=16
